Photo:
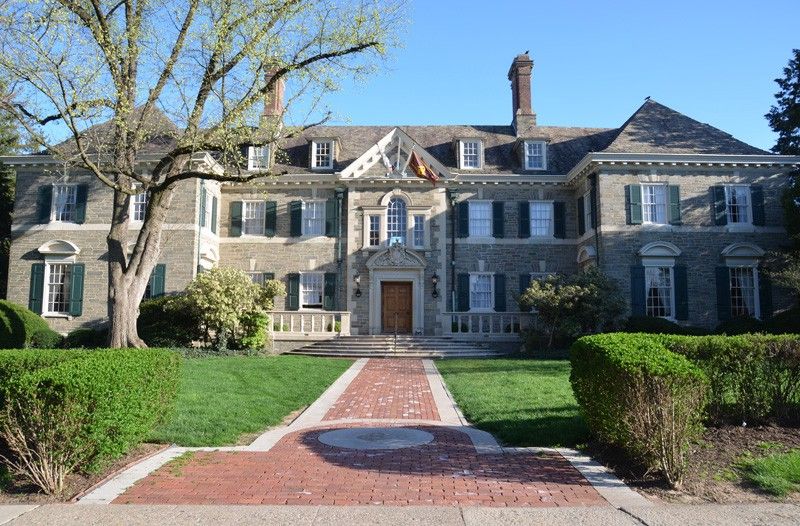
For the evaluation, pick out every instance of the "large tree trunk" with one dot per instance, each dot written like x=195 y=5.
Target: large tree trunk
x=129 y=271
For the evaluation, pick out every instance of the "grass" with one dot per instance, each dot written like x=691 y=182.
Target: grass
x=222 y=398
x=777 y=474
x=522 y=402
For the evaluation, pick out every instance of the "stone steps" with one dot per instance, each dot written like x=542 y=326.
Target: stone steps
x=406 y=347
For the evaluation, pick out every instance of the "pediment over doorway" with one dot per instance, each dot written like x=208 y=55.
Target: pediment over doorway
x=398 y=257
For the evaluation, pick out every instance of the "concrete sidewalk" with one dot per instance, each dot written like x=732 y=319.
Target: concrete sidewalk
x=666 y=515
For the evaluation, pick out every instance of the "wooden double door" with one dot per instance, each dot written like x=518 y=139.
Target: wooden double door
x=396 y=307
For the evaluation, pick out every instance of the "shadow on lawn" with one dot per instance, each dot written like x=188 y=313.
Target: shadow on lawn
x=540 y=431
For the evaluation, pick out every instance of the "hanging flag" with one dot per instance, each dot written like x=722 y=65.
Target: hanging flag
x=420 y=169
x=386 y=162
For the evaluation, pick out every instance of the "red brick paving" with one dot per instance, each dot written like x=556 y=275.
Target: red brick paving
x=387 y=389
x=301 y=470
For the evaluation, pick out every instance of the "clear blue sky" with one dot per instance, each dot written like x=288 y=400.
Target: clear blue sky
x=595 y=62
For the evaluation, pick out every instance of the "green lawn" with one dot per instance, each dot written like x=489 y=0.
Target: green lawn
x=522 y=402
x=222 y=398
x=777 y=474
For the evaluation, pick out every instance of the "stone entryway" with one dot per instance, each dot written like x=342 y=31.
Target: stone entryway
x=434 y=459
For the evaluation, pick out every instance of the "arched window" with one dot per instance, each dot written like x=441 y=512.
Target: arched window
x=396 y=221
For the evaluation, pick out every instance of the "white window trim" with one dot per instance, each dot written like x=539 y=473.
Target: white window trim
x=303 y=232
x=251 y=156
x=424 y=230
x=461 y=144
x=491 y=291
x=314 y=145
x=666 y=204
x=491 y=218
x=749 y=221
x=53 y=202
x=48 y=261
x=132 y=211
x=552 y=232
x=544 y=155
x=661 y=262
x=256 y=201
x=732 y=263
x=300 y=300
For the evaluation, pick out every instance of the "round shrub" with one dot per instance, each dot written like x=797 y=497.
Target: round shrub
x=86 y=338
x=169 y=321
x=21 y=328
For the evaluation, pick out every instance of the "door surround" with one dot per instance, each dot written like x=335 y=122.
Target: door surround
x=396 y=264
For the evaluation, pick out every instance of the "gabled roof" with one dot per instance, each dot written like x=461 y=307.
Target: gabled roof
x=655 y=128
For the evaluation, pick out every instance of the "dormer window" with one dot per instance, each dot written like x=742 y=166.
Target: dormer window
x=322 y=155
x=535 y=155
x=258 y=157
x=470 y=154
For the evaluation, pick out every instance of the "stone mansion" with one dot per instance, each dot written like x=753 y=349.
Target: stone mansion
x=679 y=213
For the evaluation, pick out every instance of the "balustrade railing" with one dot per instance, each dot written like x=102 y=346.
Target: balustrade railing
x=499 y=325
x=310 y=323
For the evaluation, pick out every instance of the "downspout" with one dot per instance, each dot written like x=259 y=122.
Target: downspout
x=340 y=193
x=199 y=227
x=451 y=198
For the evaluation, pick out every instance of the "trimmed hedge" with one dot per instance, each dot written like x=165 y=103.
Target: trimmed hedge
x=21 y=328
x=639 y=396
x=169 y=321
x=93 y=405
x=653 y=325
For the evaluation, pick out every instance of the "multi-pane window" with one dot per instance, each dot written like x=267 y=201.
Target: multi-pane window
x=587 y=210
x=541 y=218
x=470 y=154
x=252 y=218
x=658 y=292
x=535 y=155
x=139 y=206
x=654 y=204
x=65 y=198
x=374 y=231
x=481 y=293
x=480 y=218
x=419 y=230
x=311 y=287
x=58 y=287
x=737 y=199
x=313 y=218
x=258 y=157
x=743 y=291
x=322 y=154
x=396 y=218
x=256 y=277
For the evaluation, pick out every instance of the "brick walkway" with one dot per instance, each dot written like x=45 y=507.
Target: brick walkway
x=299 y=469
x=387 y=389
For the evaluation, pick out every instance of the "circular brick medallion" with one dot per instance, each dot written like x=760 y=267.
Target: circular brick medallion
x=376 y=438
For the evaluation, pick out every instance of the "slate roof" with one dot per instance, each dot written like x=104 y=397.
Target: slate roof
x=653 y=128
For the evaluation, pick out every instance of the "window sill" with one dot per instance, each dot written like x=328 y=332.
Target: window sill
x=57 y=315
x=481 y=311
x=746 y=227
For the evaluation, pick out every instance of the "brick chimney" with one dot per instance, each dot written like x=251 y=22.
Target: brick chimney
x=273 y=101
x=520 y=76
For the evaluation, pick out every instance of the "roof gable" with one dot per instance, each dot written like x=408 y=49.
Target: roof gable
x=395 y=148
x=655 y=128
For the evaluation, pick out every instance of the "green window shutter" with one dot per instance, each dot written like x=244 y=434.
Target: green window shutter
x=500 y=292
x=81 y=197
x=581 y=215
x=524 y=282
x=765 y=294
x=463 y=219
x=757 y=199
x=593 y=206
x=331 y=225
x=236 y=219
x=202 y=206
x=674 y=204
x=638 y=299
x=633 y=201
x=723 y=279
x=524 y=219
x=296 y=218
x=76 y=290
x=559 y=220
x=293 y=292
x=329 y=291
x=681 y=292
x=36 y=292
x=44 y=203
x=719 y=208
x=157 y=280
x=498 y=219
x=268 y=276
x=270 y=218
x=214 y=205
x=462 y=286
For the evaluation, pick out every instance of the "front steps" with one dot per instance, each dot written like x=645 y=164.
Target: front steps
x=405 y=347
